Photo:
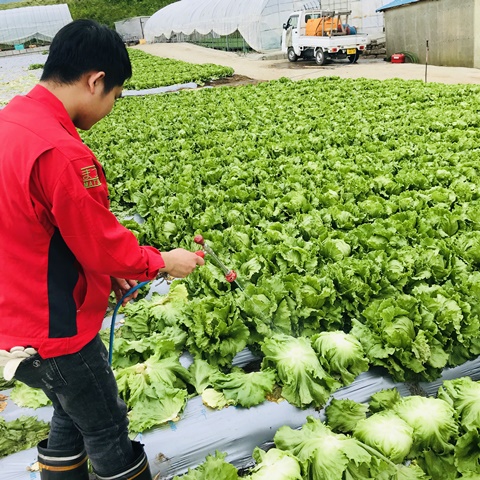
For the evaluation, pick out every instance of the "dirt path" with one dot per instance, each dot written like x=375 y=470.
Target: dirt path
x=254 y=67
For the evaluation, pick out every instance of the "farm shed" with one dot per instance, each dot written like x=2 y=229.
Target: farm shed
x=21 y=25
x=449 y=26
x=226 y=24
x=131 y=29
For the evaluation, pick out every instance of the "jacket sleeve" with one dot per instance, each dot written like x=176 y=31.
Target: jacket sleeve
x=92 y=232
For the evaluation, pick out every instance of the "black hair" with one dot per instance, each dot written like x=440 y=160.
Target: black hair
x=84 y=46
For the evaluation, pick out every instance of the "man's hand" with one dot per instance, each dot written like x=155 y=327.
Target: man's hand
x=180 y=262
x=120 y=286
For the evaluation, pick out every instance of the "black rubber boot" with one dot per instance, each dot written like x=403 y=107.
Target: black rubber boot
x=62 y=464
x=137 y=470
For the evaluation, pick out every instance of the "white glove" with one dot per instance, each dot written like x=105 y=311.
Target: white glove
x=12 y=359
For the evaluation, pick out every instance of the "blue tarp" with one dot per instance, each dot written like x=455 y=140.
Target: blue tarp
x=396 y=3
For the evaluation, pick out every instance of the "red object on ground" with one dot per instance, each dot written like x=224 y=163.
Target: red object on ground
x=398 y=58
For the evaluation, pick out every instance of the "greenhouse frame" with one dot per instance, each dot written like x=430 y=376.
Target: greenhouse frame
x=224 y=24
x=19 y=26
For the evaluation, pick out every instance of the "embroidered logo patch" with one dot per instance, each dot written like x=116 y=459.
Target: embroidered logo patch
x=90 y=177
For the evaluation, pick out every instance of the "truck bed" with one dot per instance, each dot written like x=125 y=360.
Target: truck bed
x=339 y=41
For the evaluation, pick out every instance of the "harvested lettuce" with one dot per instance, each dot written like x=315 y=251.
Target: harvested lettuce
x=21 y=433
x=275 y=464
x=214 y=467
x=388 y=433
x=341 y=354
x=304 y=381
x=25 y=396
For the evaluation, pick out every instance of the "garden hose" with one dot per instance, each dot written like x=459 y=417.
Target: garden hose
x=114 y=316
x=163 y=276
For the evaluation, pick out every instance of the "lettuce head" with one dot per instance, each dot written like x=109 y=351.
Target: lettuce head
x=341 y=354
x=387 y=433
x=327 y=455
x=214 y=467
x=464 y=396
x=304 y=382
x=433 y=423
x=275 y=464
x=344 y=414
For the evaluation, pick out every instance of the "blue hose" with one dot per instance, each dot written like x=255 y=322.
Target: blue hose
x=114 y=316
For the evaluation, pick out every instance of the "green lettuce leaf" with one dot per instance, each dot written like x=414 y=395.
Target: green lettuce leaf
x=303 y=380
x=21 y=434
x=214 y=467
x=25 y=396
x=245 y=389
x=275 y=464
x=467 y=452
x=384 y=399
x=200 y=372
x=155 y=391
x=463 y=394
x=216 y=331
x=341 y=354
x=160 y=404
x=214 y=399
x=433 y=423
x=438 y=466
x=343 y=415
x=324 y=454
x=387 y=433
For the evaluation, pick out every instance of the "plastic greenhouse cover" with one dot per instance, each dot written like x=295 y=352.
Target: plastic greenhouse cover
x=19 y=25
x=177 y=446
x=258 y=21
x=157 y=90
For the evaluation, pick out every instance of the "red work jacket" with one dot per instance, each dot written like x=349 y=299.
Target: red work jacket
x=59 y=242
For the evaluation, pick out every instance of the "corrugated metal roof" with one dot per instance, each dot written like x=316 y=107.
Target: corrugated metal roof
x=396 y=3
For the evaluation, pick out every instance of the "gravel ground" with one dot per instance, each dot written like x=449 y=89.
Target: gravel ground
x=15 y=77
x=264 y=67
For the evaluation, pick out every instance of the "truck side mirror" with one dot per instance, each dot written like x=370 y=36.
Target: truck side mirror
x=285 y=26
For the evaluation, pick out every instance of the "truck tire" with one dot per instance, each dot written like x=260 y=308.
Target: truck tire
x=320 y=57
x=353 y=58
x=292 y=56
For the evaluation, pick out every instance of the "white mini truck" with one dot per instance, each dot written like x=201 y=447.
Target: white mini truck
x=322 y=35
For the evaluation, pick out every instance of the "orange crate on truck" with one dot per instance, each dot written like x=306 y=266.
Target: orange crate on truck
x=323 y=26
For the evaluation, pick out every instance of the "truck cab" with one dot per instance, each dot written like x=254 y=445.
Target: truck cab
x=322 y=35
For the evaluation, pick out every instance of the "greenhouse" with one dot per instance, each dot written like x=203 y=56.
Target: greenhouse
x=224 y=24
x=19 y=26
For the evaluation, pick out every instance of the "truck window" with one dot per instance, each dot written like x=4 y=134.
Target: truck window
x=293 y=22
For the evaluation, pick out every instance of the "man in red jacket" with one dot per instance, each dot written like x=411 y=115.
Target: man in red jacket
x=62 y=251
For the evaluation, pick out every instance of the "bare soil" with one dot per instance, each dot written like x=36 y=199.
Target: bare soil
x=252 y=68
x=233 y=81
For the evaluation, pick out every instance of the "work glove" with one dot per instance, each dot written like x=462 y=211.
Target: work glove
x=10 y=360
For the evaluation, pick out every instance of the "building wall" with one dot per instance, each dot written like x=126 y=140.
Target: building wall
x=448 y=25
x=364 y=15
x=476 y=45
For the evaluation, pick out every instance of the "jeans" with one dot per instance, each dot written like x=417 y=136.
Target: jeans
x=87 y=410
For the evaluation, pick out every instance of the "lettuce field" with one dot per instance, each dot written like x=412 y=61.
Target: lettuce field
x=350 y=210
x=151 y=72
x=345 y=206
x=342 y=204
